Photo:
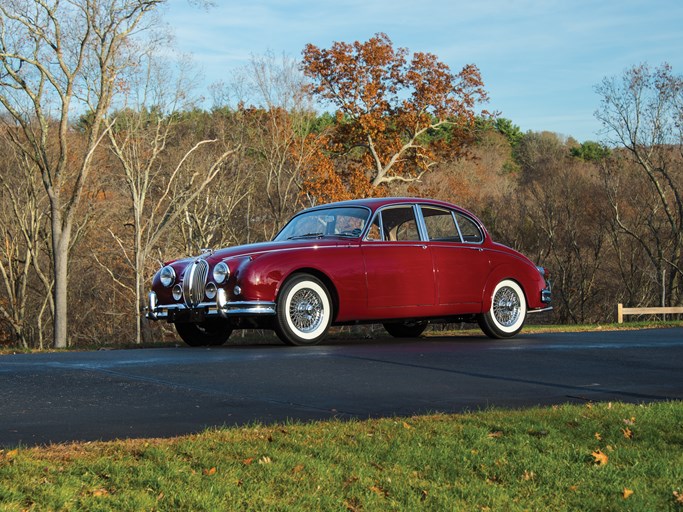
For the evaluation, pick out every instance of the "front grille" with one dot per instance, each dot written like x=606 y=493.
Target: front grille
x=195 y=281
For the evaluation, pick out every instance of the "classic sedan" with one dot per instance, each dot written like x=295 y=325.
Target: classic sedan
x=402 y=262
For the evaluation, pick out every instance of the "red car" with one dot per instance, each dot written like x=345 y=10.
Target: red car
x=402 y=262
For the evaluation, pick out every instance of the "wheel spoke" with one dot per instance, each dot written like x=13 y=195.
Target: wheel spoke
x=306 y=310
x=506 y=306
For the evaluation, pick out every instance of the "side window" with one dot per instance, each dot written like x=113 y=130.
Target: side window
x=375 y=231
x=469 y=229
x=440 y=225
x=397 y=224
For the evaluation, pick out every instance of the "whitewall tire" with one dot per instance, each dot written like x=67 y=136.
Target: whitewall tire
x=507 y=314
x=304 y=311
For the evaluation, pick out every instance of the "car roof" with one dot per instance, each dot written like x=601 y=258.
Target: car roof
x=377 y=202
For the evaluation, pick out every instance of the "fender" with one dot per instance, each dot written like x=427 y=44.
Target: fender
x=530 y=280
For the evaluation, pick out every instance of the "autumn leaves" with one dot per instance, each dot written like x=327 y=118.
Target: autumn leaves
x=395 y=114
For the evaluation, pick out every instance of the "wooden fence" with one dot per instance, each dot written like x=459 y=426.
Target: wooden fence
x=621 y=311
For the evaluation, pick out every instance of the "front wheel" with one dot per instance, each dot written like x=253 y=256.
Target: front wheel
x=304 y=311
x=212 y=332
x=508 y=311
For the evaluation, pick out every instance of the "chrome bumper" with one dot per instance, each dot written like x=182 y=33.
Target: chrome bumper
x=546 y=297
x=220 y=308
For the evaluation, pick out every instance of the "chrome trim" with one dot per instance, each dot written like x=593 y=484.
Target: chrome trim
x=212 y=309
x=248 y=308
x=547 y=293
x=171 y=276
x=224 y=276
x=194 y=283
x=211 y=290
x=152 y=307
x=542 y=310
x=421 y=225
x=177 y=292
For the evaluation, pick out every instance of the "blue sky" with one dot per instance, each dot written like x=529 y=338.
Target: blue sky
x=540 y=60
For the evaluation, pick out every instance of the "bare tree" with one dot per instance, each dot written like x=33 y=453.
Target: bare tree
x=641 y=112
x=58 y=59
x=163 y=179
x=277 y=125
x=23 y=226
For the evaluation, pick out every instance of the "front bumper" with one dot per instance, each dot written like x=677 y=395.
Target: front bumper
x=221 y=308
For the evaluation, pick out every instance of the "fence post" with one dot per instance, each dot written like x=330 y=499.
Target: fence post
x=620 y=313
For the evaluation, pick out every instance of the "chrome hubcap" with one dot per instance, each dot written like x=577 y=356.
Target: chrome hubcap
x=306 y=310
x=506 y=306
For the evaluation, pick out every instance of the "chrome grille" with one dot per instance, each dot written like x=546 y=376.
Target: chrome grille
x=195 y=281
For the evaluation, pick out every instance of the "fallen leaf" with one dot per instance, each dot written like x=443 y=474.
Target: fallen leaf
x=627 y=493
x=600 y=458
x=528 y=475
x=495 y=435
x=100 y=492
x=349 y=481
x=298 y=468
x=265 y=460
x=573 y=488
x=209 y=472
x=628 y=433
x=379 y=491
x=679 y=497
x=630 y=421
x=11 y=455
x=248 y=461
x=406 y=425
x=352 y=505
x=598 y=436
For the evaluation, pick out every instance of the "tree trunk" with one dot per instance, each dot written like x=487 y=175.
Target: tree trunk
x=61 y=236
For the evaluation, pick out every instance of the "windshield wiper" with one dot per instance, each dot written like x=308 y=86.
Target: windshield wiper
x=306 y=235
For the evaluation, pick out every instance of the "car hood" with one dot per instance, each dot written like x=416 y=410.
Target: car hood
x=257 y=249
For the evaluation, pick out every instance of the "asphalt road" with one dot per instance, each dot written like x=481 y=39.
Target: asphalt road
x=164 y=392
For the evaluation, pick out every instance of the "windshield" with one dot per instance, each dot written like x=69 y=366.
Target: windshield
x=340 y=222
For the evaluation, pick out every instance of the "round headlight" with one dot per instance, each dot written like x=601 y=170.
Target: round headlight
x=221 y=272
x=177 y=292
x=167 y=276
x=210 y=291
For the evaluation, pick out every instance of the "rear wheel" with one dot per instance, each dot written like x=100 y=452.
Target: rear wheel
x=508 y=311
x=405 y=329
x=208 y=333
x=304 y=311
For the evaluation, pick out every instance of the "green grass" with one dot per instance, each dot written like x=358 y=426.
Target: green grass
x=536 y=459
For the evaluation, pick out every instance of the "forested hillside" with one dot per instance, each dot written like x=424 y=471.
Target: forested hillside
x=142 y=175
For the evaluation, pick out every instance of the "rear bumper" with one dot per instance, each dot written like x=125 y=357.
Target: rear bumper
x=546 y=298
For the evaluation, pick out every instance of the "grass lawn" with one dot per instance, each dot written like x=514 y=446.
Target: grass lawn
x=604 y=456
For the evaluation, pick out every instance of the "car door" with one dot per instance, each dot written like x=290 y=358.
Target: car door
x=398 y=263
x=460 y=261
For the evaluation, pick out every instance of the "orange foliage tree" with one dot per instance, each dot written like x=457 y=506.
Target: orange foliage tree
x=393 y=112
